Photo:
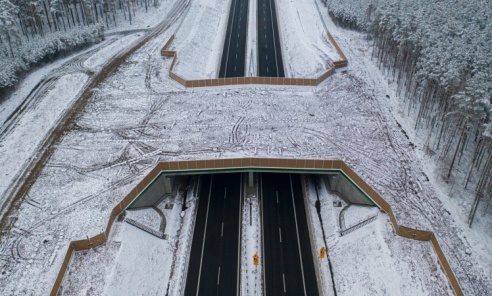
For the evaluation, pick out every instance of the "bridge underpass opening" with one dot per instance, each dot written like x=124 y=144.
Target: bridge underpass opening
x=287 y=256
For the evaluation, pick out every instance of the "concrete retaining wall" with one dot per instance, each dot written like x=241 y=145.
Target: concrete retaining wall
x=344 y=187
x=320 y=166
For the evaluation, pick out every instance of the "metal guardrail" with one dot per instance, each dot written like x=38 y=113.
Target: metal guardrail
x=145 y=228
x=358 y=225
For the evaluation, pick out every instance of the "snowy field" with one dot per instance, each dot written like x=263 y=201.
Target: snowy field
x=139 y=117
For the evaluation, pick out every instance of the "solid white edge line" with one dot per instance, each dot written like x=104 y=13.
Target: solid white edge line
x=230 y=36
x=283 y=278
x=260 y=181
x=218 y=277
x=238 y=276
x=273 y=31
x=297 y=232
x=204 y=235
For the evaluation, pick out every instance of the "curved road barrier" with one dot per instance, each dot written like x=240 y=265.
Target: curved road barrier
x=248 y=164
x=252 y=80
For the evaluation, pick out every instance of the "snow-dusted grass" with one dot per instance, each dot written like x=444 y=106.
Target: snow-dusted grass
x=143 y=264
x=17 y=148
x=306 y=49
x=89 y=270
x=199 y=41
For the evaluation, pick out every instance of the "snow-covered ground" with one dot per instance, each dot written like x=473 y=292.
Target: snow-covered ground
x=139 y=117
x=200 y=39
x=89 y=269
x=30 y=130
x=371 y=260
x=306 y=50
x=134 y=262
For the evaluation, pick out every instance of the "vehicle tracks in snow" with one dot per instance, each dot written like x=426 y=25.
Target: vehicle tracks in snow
x=18 y=191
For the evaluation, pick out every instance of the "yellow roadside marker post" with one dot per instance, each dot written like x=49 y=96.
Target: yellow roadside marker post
x=256 y=259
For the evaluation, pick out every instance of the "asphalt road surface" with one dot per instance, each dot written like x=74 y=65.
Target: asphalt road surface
x=214 y=259
x=288 y=260
x=269 y=50
x=234 y=53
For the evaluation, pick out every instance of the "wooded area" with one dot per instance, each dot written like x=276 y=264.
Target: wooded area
x=31 y=32
x=440 y=55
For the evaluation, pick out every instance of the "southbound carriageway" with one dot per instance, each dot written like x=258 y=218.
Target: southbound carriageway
x=288 y=264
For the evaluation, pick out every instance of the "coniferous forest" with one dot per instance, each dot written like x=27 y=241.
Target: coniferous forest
x=439 y=53
x=33 y=32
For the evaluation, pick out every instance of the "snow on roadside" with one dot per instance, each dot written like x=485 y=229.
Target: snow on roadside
x=182 y=251
x=251 y=244
x=144 y=263
x=317 y=242
x=372 y=260
x=251 y=45
x=357 y=214
x=306 y=49
x=199 y=41
x=89 y=270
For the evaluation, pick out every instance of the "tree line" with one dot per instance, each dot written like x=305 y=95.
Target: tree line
x=67 y=23
x=440 y=55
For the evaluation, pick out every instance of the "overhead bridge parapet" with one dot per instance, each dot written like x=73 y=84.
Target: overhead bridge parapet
x=247 y=164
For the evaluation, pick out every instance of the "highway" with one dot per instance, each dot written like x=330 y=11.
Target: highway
x=288 y=260
x=214 y=260
x=270 y=62
x=234 y=52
